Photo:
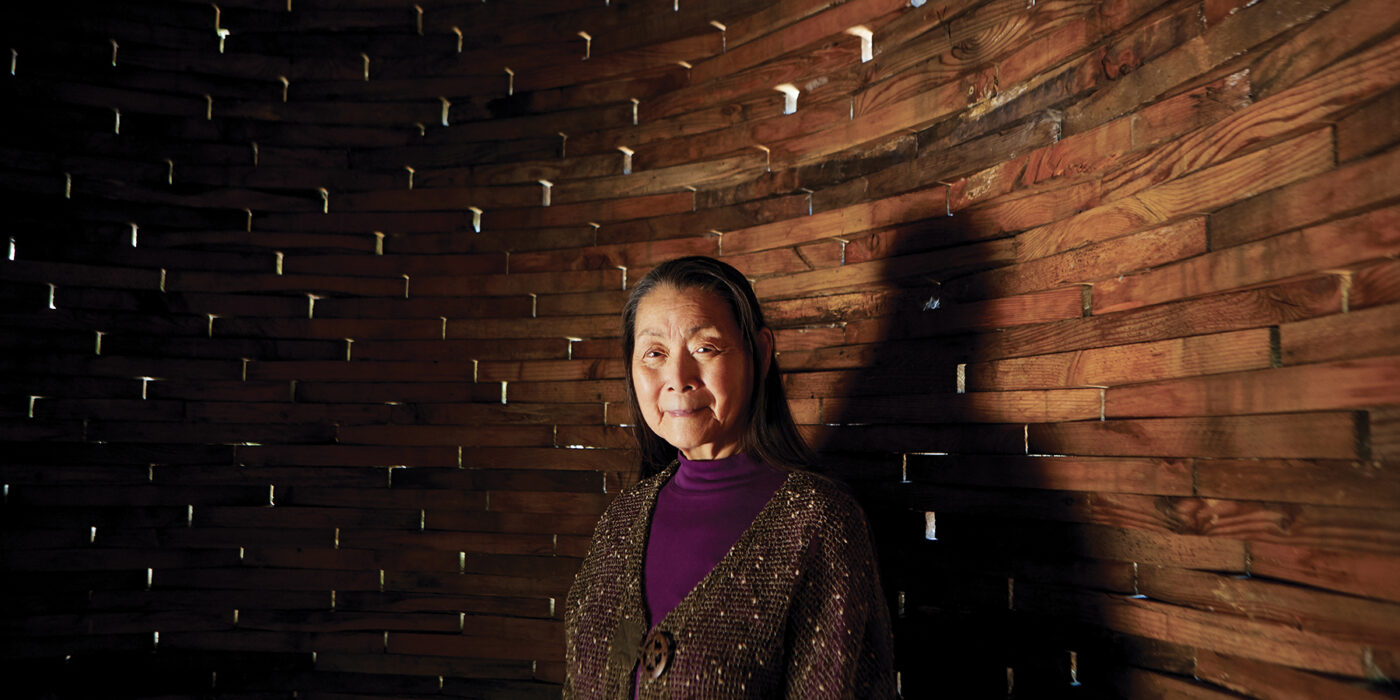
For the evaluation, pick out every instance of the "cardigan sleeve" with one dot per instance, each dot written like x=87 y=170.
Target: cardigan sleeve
x=839 y=643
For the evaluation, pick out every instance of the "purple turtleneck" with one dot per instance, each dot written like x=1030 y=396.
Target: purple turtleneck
x=700 y=513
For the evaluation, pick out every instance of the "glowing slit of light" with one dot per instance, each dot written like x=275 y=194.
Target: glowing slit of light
x=723 y=38
x=867 y=41
x=790 y=93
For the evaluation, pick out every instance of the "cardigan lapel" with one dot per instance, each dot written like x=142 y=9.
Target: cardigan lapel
x=631 y=624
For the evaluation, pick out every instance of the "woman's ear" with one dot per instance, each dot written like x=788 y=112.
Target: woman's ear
x=765 y=351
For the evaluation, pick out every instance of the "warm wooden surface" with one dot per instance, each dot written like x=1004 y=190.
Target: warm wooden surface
x=307 y=390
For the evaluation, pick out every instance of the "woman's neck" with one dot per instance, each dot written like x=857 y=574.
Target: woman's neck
x=718 y=474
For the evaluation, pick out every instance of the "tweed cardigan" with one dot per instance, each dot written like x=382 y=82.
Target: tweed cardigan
x=793 y=610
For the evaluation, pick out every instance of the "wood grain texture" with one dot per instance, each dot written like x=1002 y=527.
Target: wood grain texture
x=306 y=388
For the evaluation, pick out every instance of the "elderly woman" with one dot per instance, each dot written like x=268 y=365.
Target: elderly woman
x=728 y=572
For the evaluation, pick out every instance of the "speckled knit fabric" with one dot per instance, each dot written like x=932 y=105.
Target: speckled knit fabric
x=794 y=610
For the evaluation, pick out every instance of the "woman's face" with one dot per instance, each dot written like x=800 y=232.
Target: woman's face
x=692 y=374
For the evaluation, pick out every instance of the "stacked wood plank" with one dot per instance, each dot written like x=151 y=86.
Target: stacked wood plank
x=311 y=378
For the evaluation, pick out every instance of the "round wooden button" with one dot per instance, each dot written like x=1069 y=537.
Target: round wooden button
x=657 y=649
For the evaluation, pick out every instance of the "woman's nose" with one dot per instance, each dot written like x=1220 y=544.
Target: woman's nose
x=683 y=374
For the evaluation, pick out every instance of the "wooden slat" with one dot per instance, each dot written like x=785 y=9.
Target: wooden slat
x=1127 y=364
x=1095 y=263
x=990 y=407
x=1263 y=679
x=1338 y=385
x=1337 y=483
x=1204 y=190
x=1256 y=640
x=1301 y=435
x=1165 y=477
x=1337 y=616
x=1350 y=572
x=1355 y=334
x=1336 y=244
x=1237 y=32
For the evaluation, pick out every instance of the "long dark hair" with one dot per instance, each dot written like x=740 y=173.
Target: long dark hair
x=771 y=434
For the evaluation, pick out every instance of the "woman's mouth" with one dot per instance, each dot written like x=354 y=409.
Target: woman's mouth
x=682 y=412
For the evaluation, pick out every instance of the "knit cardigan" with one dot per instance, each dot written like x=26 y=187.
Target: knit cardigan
x=793 y=610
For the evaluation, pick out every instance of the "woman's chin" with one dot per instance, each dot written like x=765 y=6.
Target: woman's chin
x=705 y=451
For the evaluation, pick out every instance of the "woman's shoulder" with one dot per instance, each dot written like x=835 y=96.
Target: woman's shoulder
x=822 y=496
x=819 y=486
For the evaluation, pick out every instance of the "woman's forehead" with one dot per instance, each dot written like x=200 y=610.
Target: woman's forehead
x=669 y=310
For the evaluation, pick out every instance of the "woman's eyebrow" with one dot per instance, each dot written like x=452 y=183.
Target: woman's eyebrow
x=708 y=330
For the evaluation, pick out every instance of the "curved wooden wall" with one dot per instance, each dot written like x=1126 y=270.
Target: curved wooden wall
x=310 y=379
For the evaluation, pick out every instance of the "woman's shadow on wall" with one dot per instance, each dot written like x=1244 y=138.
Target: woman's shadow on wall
x=962 y=516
